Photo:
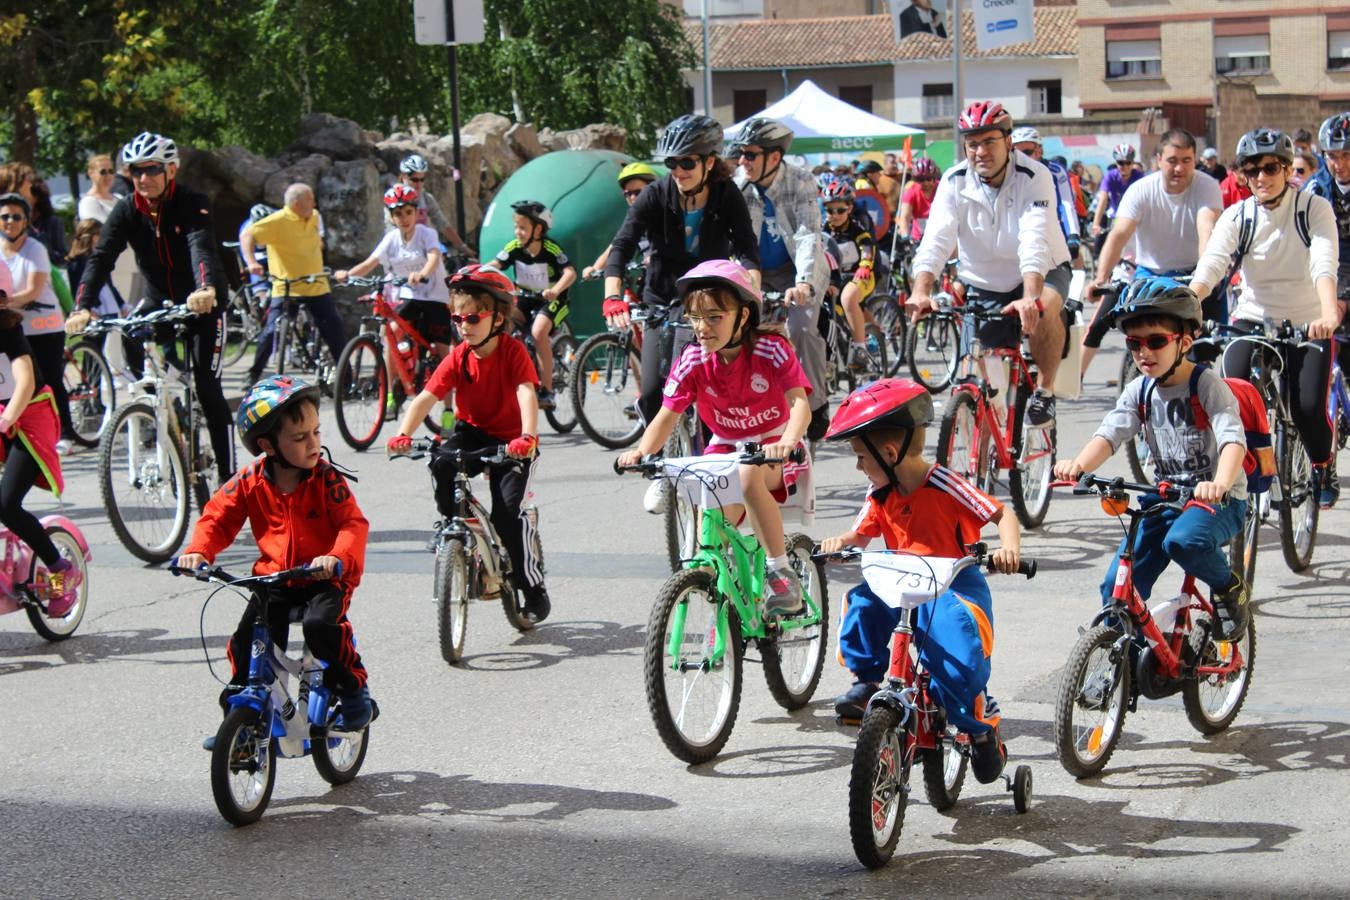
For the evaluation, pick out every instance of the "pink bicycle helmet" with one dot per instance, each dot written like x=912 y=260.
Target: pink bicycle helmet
x=721 y=273
x=984 y=115
x=400 y=195
x=1123 y=153
x=926 y=170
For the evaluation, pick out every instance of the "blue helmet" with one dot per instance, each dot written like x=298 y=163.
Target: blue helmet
x=1158 y=295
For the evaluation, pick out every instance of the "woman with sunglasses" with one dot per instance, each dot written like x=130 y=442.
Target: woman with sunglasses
x=1288 y=272
x=692 y=215
x=99 y=200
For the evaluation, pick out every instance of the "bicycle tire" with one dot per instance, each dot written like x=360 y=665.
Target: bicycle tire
x=91 y=390
x=359 y=395
x=601 y=393
x=878 y=786
x=794 y=658
x=255 y=757
x=338 y=759
x=890 y=319
x=563 y=416
x=1242 y=551
x=876 y=359
x=1211 y=718
x=451 y=584
x=145 y=480
x=55 y=629
x=944 y=774
x=1029 y=482
x=959 y=438
x=1100 y=740
x=932 y=350
x=201 y=461
x=1299 y=509
x=242 y=326
x=695 y=589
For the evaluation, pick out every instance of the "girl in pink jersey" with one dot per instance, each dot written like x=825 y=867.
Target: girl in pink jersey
x=749 y=386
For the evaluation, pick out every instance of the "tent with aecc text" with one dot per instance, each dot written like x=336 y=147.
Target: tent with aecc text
x=825 y=124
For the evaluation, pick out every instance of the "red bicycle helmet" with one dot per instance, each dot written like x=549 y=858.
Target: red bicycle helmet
x=887 y=403
x=926 y=170
x=478 y=277
x=982 y=116
x=838 y=190
x=400 y=195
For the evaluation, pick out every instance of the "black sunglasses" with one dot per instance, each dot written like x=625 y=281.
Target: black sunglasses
x=1269 y=170
x=836 y=210
x=470 y=319
x=416 y=180
x=631 y=194
x=1152 y=342
x=105 y=171
x=147 y=171
x=688 y=163
x=12 y=217
x=750 y=155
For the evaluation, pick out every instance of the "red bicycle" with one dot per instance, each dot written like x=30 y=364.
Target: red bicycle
x=1131 y=650
x=981 y=437
x=362 y=378
x=902 y=720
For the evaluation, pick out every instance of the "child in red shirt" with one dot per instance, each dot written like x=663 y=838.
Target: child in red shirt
x=302 y=512
x=749 y=387
x=494 y=383
x=928 y=510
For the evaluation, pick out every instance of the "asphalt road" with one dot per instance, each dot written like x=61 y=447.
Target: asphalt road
x=534 y=768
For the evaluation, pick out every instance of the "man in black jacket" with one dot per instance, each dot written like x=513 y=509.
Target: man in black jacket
x=168 y=227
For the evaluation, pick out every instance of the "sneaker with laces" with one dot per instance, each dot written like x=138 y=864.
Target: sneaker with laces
x=1328 y=485
x=657 y=496
x=1232 y=608
x=852 y=704
x=987 y=756
x=537 y=604
x=783 y=593
x=62 y=588
x=1041 y=409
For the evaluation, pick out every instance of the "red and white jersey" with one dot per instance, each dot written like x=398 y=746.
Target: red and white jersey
x=944 y=515
x=742 y=400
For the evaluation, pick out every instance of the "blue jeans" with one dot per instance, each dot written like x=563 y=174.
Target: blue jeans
x=1193 y=538
x=324 y=311
x=955 y=638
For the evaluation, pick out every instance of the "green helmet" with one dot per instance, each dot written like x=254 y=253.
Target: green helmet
x=638 y=170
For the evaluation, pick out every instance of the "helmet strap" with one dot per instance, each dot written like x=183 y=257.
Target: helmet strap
x=492 y=333
x=888 y=468
x=997 y=176
x=1272 y=204
x=689 y=196
x=767 y=178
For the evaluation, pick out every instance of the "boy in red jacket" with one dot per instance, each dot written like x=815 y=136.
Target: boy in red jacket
x=302 y=512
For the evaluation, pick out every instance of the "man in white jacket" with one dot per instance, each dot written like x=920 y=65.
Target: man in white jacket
x=996 y=210
x=783 y=211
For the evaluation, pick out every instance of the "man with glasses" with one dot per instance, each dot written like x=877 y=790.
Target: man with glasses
x=413 y=173
x=784 y=213
x=168 y=227
x=996 y=209
x=1114 y=183
x=1169 y=214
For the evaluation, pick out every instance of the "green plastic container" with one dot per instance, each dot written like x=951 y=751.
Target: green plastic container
x=580 y=188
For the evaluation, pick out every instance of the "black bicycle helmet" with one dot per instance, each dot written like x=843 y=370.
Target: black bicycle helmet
x=690 y=135
x=534 y=211
x=1158 y=295
x=767 y=133
x=1265 y=142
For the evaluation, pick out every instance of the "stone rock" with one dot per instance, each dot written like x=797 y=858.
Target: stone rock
x=309 y=170
x=525 y=141
x=592 y=137
x=244 y=173
x=349 y=196
x=486 y=123
x=333 y=137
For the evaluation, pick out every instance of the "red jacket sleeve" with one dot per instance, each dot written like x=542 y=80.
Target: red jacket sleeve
x=350 y=524
x=223 y=517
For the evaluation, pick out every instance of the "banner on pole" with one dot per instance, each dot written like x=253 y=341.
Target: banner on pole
x=999 y=23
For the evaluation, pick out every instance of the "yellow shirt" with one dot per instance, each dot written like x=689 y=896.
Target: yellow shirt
x=294 y=250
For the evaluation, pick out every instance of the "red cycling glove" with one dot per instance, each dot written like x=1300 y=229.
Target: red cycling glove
x=614 y=307
x=399 y=443
x=522 y=447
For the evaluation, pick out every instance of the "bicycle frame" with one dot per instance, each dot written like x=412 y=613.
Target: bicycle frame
x=472 y=522
x=383 y=310
x=976 y=383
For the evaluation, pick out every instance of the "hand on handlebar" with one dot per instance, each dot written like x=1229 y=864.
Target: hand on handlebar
x=398 y=445
x=1027 y=311
x=78 y=321
x=326 y=566
x=1323 y=328
x=1210 y=492
x=920 y=306
x=615 y=312
x=1006 y=560
x=834 y=544
x=628 y=458
x=192 y=561
x=798 y=295
x=256 y=269
x=779 y=449
x=523 y=447
x=1068 y=470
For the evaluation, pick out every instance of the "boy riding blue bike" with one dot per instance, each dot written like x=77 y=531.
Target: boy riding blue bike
x=925 y=509
x=301 y=511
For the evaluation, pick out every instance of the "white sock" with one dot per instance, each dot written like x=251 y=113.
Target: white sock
x=776 y=562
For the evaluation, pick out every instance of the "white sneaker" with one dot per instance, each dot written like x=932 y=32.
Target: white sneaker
x=654 y=501
x=63 y=447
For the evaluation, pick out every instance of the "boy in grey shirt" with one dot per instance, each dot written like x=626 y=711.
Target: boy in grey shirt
x=1159 y=317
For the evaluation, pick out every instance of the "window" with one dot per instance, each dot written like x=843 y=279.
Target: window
x=1134 y=59
x=1241 y=54
x=1045 y=98
x=859 y=95
x=938 y=102
x=745 y=104
x=1338 y=50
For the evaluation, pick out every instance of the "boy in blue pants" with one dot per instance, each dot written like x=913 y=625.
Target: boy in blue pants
x=927 y=510
x=1159 y=317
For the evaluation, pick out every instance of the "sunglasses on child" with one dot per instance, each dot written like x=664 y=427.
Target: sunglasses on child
x=632 y=194
x=470 y=319
x=1152 y=342
x=12 y=217
x=688 y=163
x=836 y=210
x=1269 y=170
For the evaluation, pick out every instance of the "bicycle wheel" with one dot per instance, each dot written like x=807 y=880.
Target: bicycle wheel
x=452 y=599
x=605 y=391
x=362 y=384
x=1094 y=692
x=893 y=325
x=693 y=698
x=794 y=659
x=58 y=629
x=959 y=440
x=875 y=366
x=944 y=773
x=89 y=384
x=878 y=786
x=338 y=759
x=1242 y=551
x=563 y=416
x=681 y=515
x=242 y=323
x=931 y=349
x=1213 y=701
x=1033 y=468
x=1298 y=505
x=144 y=484
x=243 y=766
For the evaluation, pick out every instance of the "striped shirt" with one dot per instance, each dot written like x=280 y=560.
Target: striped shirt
x=941 y=518
x=741 y=400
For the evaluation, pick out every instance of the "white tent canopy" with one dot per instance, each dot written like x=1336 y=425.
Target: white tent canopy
x=824 y=124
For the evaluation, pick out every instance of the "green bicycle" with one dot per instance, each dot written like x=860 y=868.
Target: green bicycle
x=708 y=612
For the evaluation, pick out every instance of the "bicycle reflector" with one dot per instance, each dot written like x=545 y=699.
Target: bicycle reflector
x=1115 y=504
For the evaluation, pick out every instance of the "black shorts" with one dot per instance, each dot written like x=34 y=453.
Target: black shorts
x=1006 y=332
x=431 y=318
x=531 y=305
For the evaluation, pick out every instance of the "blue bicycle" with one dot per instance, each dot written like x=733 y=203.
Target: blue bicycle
x=263 y=719
x=1338 y=409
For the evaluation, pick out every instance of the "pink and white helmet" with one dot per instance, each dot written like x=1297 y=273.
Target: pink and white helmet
x=721 y=273
x=1123 y=153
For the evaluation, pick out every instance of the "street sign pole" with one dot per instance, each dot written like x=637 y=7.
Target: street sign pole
x=434 y=22
x=454 y=113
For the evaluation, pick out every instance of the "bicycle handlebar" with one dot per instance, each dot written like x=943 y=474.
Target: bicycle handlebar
x=979 y=550
x=1089 y=483
x=302 y=279
x=375 y=280
x=492 y=457
x=216 y=573
x=652 y=465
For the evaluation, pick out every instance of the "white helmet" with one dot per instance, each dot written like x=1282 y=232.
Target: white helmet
x=1024 y=134
x=414 y=163
x=148 y=147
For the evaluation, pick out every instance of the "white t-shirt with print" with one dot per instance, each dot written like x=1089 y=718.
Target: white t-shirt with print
x=407 y=258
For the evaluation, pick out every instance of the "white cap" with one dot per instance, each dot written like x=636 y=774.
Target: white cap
x=1210 y=153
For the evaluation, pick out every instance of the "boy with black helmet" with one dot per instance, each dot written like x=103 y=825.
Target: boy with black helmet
x=925 y=509
x=302 y=512
x=1160 y=317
